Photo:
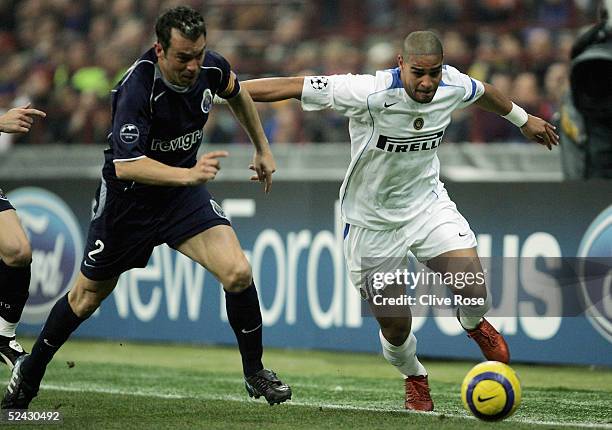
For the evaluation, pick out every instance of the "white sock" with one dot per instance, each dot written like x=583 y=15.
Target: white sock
x=7 y=329
x=469 y=323
x=403 y=357
x=471 y=316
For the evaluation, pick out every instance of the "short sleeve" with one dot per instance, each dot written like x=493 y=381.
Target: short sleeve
x=347 y=94
x=473 y=88
x=132 y=115
x=228 y=85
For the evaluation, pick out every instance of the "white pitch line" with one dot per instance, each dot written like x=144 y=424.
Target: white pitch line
x=243 y=399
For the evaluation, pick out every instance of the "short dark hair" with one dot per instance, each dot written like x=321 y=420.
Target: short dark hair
x=185 y=19
x=422 y=43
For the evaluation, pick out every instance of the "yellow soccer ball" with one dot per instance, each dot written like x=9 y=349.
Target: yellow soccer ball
x=491 y=391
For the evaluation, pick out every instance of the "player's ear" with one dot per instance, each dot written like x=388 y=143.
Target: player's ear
x=159 y=50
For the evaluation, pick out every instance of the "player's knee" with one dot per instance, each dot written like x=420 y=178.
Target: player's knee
x=86 y=306
x=17 y=254
x=238 y=278
x=84 y=303
x=397 y=331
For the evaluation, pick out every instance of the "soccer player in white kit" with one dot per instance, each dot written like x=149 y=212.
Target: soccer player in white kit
x=392 y=199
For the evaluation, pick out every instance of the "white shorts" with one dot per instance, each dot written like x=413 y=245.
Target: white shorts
x=438 y=229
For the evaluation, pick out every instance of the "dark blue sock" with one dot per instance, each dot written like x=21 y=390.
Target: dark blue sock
x=14 y=285
x=62 y=321
x=244 y=316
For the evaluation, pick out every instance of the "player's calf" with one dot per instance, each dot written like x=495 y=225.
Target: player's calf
x=15 y=281
x=60 y=324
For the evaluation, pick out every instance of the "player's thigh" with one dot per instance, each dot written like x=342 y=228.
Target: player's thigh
x=370 y=254
x=121 y=236
x=13 y=240
x=441 y=229
x=447 y=245
x=219 y=251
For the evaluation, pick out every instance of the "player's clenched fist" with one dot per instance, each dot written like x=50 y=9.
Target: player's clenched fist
x=19 y=119
x=207 y=167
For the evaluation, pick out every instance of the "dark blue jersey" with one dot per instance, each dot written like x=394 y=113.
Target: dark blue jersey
x=151 y=118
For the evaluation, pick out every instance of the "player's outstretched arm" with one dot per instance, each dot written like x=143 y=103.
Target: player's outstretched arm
x=245 y=112
x=152 y=172
x=19 y=119
x=274 y=89
x=532 y=127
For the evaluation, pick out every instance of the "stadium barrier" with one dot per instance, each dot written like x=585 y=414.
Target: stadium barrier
x=293 y=238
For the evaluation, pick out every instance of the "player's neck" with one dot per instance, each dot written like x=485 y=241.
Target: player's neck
x=173 y=87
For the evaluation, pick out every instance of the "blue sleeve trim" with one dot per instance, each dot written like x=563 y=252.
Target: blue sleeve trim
x=347 y=227
x=473 y=90
x=444 y=84
x=397 y=80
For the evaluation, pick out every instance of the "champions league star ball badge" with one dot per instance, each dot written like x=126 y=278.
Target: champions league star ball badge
x=418 y=123
x=319 y=82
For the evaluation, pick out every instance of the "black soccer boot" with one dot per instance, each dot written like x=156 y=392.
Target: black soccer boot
x=10 y=350
x=19 y=393
x=266 y=383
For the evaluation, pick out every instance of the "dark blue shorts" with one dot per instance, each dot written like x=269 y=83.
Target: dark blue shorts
x=4 y=203
x=124 y=230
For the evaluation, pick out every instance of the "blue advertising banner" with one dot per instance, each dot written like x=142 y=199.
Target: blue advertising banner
x=293 y=238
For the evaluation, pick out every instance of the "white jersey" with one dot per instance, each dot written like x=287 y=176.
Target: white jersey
x=394 y=169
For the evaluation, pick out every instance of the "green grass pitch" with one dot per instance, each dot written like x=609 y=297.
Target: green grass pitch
x=131 y=385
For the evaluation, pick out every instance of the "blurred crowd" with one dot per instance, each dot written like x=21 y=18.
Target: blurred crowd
x=64 y=56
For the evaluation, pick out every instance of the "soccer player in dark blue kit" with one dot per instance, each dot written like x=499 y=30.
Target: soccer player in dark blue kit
x=152 y=192
x=15 y=250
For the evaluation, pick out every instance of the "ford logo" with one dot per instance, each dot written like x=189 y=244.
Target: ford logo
x=57 y=248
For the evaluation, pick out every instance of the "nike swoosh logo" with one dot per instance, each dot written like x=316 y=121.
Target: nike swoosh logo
x=48 y=344
x=159 y=95
x=463 y=234
x=250 y=331
x=390 y=104
x=87 y=264
x=484 y=399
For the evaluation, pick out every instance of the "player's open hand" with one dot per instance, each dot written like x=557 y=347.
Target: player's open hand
x=207 y=167
x=19 y=119
x=539 y=131
x=264 y=165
